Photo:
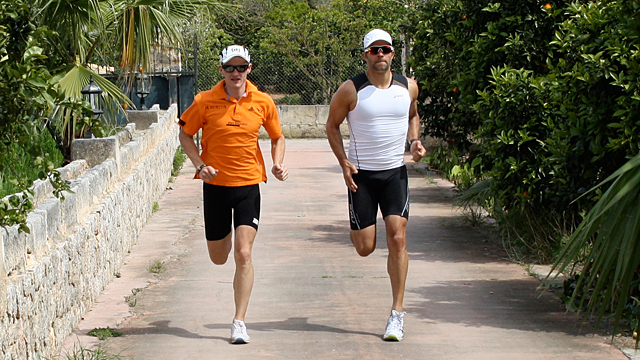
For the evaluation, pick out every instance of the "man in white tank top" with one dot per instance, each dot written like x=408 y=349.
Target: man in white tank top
x=382 y=114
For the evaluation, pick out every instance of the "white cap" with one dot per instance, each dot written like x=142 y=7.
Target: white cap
x=232 y=51
x=375 y=35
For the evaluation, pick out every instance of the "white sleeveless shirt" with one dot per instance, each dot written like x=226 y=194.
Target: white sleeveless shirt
x=378 y=124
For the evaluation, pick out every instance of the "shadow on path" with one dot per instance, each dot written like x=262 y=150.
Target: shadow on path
x=296 y=324
x=162 y=327
x=494 y=303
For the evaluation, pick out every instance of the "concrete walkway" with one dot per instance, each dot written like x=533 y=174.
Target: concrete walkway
x=315 y=298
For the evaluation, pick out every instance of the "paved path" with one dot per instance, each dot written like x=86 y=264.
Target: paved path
x=315 y=298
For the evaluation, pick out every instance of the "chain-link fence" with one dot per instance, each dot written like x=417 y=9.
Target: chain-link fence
x=292 y=81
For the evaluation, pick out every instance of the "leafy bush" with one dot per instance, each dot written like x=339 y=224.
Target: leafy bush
x=458 y=43
x=27 y=95
x=22 y=162
x=548 y=93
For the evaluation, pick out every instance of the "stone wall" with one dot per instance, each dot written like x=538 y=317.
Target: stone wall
x=304 y=121
x=308 y=122
x=50 y=277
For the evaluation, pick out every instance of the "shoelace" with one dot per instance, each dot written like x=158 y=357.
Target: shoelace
x=239 y=327
x=395 y=322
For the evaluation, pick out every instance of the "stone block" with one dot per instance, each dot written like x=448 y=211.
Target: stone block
x=83 y=193
x=297 y=114
x=3 y=272
x=322 y=114
x=95 y=151
x=110 y=171
x=142 y=118
x=303 y=131
x=14 y=246
x=41 y=190
x=344 y=130
x=37 y=238
x=125 y=135
x=12 y=294
x=52 y=210
x=73 y=170
x=97 y=180
x=69 y=211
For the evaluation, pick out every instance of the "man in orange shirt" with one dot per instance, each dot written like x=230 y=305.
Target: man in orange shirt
x=231 y=167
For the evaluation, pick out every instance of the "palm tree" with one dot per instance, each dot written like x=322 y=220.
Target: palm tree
x=85 y=30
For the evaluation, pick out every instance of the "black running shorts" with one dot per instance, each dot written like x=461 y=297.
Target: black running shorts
x=388 y=189
x=223 y=202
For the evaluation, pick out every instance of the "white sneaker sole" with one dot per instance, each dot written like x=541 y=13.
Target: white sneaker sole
x=239 y=341
x=392 y=337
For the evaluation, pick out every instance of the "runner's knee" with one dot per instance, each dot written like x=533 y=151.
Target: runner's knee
x=219 y=250
x=243 y=257
x=218 y=258
x=364 y=245
x=397 y=241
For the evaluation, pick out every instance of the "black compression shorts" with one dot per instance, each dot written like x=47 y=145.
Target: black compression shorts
x=221 y=203
x=388 y=189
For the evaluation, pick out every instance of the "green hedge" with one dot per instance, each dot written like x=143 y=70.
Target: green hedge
x=546 y=92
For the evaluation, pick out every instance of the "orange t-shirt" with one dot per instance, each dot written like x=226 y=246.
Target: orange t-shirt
x=230 y=132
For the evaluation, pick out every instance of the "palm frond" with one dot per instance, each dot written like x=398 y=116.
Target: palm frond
x=145 y=23
x=73 y=22
x=611 y=232
x=478 y=192
x=71 y=85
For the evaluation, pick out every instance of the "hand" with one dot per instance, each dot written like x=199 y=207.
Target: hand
x=348 y=169
x=280 y=172
x=208 y=173
x=417 y=150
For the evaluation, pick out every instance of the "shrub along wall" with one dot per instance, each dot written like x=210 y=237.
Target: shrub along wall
x=538 y=97
x=50 y=277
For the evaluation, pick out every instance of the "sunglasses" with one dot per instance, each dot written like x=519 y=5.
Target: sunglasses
x=375 y=50
x=230 y=68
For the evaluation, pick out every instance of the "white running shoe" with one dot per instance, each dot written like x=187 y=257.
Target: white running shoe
x=239 y=333
x=395 y=326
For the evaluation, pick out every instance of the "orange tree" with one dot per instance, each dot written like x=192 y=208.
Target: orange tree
x=457 y=43
x=547 y=96
x=547 y=138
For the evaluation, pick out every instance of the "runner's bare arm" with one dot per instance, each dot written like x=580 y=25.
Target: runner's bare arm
x=207 y=173
x=343 y=101
x=417 y=149
x=279 y=170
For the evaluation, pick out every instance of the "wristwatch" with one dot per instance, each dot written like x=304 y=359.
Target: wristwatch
x=200 y=168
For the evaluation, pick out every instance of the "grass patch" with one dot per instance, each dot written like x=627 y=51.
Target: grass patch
x=178 y=161
x=81 y=353
x=130 y=299
x=157 y=267
x=156 y=207
x=104 y=333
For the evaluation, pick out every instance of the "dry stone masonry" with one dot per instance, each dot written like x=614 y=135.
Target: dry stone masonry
x=50 y=277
